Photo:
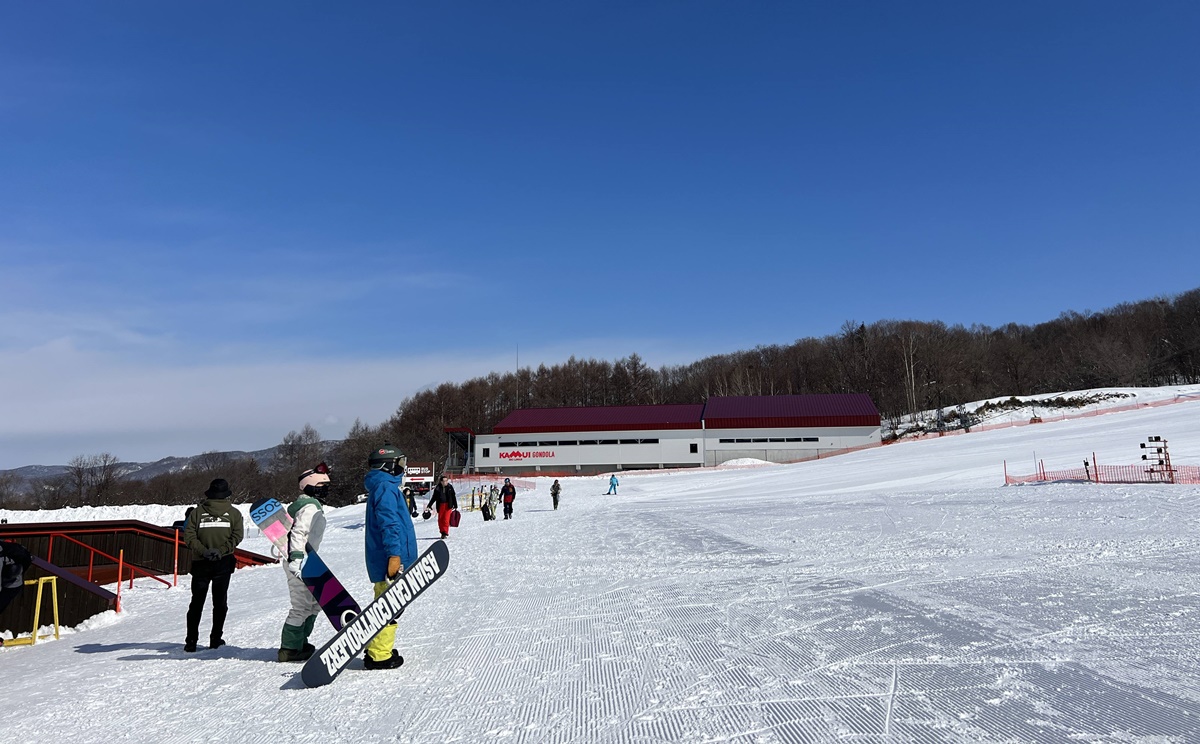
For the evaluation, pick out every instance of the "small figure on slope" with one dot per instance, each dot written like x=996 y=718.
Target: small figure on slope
x=213 y=531
x=308 y=527
x=410 y=500
x=446 y=500
x=612 y=485
x=508 y=494
x=391 y=542
x=555 y=490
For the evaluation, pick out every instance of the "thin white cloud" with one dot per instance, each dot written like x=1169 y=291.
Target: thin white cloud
x=61 y=400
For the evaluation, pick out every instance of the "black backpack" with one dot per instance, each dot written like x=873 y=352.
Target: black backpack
x=16 y=553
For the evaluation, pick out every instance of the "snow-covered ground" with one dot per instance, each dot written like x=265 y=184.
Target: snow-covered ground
x=895 y=594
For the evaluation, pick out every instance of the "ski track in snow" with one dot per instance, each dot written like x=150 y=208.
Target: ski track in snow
x=899 y=594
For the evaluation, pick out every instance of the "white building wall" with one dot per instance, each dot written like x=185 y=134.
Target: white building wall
x=784 y=445
x=576 y=450
x=582 y=451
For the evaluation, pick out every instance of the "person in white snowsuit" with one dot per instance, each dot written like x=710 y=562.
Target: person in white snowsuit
x=308 y=527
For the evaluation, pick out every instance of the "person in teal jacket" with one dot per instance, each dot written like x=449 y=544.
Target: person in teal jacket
x=612 y=485
x=391 y=542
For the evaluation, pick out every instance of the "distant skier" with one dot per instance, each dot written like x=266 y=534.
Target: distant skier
x=391 y=542
x=612 y=485
x=410 y=500
x=213 y=532
x=446 y=500
x=493 y=497
x=308 y=527
x=555 y=490
x=508 y=494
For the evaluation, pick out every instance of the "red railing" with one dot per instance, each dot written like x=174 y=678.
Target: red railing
x=93 y=552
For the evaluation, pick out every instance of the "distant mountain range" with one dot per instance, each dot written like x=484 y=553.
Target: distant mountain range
x=145 y=470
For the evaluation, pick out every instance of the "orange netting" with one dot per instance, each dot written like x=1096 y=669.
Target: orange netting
x=1178 y=474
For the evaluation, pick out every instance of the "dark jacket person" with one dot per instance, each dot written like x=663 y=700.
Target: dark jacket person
x=214 y=529
x=446 y=500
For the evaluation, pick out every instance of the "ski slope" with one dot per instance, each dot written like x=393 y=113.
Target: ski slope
x=896 y=594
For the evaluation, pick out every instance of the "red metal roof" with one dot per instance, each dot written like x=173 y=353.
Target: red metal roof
x=786 y=411
x=601 y=418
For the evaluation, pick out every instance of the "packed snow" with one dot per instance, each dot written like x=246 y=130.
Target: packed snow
x=900 y=593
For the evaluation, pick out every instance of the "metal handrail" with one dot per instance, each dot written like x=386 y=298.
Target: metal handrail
x=94 y=550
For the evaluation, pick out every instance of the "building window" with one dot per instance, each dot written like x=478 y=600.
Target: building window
x=487 y=451
x=608 y=441
x=694 y=448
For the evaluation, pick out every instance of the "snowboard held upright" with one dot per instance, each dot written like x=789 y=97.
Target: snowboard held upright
x=327 y=663
x=273 y=520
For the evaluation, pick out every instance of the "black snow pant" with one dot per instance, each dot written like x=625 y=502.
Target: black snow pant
x=220 y=603
x=508 y=510
x=8 y=595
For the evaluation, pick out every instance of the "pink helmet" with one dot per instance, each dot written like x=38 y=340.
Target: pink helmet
x=317 y=477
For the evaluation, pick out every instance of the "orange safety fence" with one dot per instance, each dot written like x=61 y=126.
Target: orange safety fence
x=1044 y=418
x=1179 y=474
x=475 y=481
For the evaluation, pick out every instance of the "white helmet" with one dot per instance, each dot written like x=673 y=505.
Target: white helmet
x=315 y=480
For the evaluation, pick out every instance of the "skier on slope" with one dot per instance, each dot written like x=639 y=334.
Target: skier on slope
x=410 y=500
x=391 y=542
x=555 y=490
x=446 y=500
x=308 y=527
x=492 y=494
x=612 y=485
x=508 y=494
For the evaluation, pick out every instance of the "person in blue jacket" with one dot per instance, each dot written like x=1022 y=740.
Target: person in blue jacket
x=391 y=542
x=612 y=485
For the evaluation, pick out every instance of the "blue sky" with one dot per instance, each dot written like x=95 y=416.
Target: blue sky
x=221 y=221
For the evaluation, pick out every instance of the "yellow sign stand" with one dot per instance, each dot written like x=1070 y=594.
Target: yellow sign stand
x=37 y=612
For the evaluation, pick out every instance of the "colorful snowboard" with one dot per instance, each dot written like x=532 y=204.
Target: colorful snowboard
x=326 y=664
x=274 y=522
x=334 y=599
x=272 y=518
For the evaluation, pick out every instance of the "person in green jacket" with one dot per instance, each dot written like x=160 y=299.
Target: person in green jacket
x=214 y=529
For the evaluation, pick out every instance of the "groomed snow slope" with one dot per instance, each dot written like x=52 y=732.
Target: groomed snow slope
x=896 y=594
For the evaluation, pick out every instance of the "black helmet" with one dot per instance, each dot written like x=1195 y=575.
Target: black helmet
x=387 y=458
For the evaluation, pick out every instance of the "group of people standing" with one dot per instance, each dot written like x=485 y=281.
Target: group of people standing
x=213 y=529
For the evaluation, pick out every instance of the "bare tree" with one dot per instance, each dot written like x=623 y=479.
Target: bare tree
x=11 y=491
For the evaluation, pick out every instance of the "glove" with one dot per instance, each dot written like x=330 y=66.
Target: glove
x=393 y=566
x=294 y=567
x=212 y=554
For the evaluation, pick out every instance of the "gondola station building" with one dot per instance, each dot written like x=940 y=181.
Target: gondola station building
x=775 y=428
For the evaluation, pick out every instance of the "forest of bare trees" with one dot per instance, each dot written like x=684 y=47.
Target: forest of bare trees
x=905 y=366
